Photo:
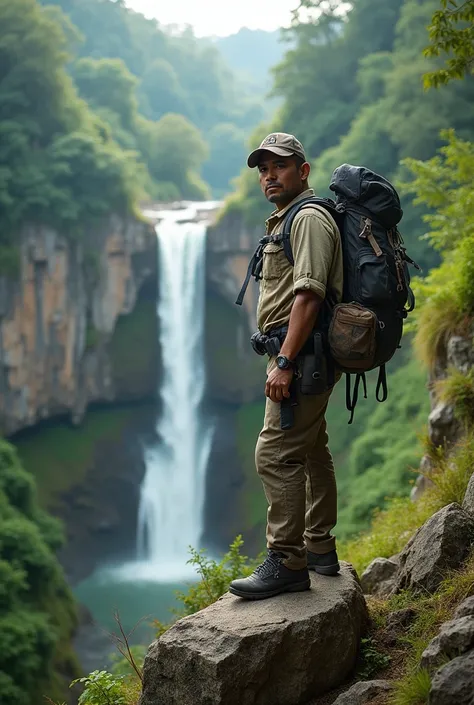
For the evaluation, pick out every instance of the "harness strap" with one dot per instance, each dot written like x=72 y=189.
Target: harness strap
x=351 y=399
x=254 y=269
x=382 y=384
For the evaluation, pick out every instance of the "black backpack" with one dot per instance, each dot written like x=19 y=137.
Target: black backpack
x=364 y=330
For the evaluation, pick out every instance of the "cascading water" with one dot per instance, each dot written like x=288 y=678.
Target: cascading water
x=172 y=492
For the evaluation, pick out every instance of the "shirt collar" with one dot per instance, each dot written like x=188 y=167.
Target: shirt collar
x=279 y=214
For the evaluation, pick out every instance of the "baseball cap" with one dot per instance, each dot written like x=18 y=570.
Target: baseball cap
x=280 y=143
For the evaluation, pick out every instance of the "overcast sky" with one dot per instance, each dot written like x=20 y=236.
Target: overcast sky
x=218 y=17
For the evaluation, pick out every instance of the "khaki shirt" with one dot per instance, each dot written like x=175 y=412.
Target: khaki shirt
x=317 y=252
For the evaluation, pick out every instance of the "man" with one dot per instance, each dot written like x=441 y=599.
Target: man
x=295 y=465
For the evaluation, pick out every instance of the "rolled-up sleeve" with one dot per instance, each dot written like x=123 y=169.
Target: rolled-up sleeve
x=313 y=244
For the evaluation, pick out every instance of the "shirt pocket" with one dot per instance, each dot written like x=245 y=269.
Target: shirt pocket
x=273 y=259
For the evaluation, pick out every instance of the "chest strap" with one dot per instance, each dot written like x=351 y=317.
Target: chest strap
x=255 y=267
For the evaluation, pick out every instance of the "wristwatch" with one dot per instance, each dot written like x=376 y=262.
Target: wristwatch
x=284 y=363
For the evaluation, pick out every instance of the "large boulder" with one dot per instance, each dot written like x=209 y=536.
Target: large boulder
x=363 y=692
x=378 y=577
x=454 y=683
x=280 y=651
x=441 y=544
x=466 y=608
x=468 y=503
x=455 y=638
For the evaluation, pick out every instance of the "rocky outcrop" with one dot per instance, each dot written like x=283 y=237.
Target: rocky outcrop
x=441 y=544
x=235 y=372
x=444 y=428
x=454 y=683
x=57 y=318
x=455 y=637
x=230 y=245
x=468 y=502
x=281 y=651
x=363 y=692
x=378 y=577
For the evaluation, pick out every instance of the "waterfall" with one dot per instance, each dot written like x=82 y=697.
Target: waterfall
x=172 y=492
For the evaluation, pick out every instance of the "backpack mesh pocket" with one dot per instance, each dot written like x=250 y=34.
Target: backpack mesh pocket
x=352 y=337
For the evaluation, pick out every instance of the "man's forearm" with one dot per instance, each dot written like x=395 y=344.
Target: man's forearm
x=302 y=320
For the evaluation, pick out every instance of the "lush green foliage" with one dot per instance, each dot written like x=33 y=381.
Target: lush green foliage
x=452 y=33
x=37 y=614
x=57 y=162
x=392 y=527
x=446 y=295
x=382 y=459
x=170 y=74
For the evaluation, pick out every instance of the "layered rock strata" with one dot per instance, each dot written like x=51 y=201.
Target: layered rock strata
x=58 y=315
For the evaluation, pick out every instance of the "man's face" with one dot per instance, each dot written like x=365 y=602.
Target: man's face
x=281 y=180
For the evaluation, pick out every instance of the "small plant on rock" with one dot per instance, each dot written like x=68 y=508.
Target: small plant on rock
x=215 y=578
x=101 y=688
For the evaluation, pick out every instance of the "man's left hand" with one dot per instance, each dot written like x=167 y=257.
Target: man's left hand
x=278 y=383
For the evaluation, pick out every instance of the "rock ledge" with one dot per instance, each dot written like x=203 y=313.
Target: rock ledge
x=281 y=651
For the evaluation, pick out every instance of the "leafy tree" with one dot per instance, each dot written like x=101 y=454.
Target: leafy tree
x=161 y=91
x=452 y=33
x=58 y=163
x=177 y=151
x=226 y=149
x=107 y=83
x=37 y=613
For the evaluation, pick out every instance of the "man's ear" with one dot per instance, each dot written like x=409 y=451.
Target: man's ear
x=305 y=171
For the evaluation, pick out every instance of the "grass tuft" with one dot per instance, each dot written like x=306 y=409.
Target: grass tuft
x=412 y=690
x=458 y=389
x=393 y=527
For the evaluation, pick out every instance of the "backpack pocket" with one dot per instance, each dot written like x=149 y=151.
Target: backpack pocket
x=374 y=284
x=352 y=337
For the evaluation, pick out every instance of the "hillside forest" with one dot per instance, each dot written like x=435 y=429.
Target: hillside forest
x=94 y=122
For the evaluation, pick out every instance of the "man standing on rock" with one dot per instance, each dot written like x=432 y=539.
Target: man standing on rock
x=295 y=465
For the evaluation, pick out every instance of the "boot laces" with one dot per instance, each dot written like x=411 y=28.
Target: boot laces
x=270 y=566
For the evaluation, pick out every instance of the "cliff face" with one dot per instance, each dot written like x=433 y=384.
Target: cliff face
x=235 y=372
x=57 y=318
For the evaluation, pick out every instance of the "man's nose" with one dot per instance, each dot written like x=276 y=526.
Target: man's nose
x=270 y=175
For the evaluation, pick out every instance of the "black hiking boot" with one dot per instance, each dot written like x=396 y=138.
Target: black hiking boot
x=323 y=563
x=270 y=579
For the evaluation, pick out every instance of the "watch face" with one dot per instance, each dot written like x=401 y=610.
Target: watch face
x=282 y=362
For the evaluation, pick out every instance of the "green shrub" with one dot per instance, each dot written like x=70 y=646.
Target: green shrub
x=458 y=390
x=101 y=688
x=37 y=613
x=215 y=577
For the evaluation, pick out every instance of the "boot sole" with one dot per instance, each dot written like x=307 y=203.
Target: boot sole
x=295 y=587
x=325 y=569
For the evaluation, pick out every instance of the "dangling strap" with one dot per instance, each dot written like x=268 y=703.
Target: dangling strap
x=254 y=269
x=382 y=384
x=351 y=399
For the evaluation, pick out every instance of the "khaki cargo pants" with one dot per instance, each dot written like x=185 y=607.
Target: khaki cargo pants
x=297 y=472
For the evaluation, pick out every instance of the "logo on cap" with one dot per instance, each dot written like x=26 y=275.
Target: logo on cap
x=271 y=140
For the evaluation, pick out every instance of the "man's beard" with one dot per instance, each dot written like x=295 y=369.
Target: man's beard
x=281 y=196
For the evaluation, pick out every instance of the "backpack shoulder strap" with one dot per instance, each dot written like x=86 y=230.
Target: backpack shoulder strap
x=285 y=235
